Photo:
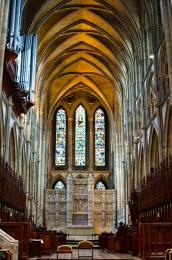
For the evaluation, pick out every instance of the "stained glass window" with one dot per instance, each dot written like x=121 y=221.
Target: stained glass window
x=99 y=138
x=100 y=185
x=59 y=185
x=80 y=136
x=60 y=153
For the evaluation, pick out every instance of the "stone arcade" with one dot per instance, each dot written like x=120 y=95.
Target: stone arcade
x=86 y=114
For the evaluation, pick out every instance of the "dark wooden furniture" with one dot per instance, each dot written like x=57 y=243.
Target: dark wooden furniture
x=51 y=240
x=103 y=239
x=113 y=244
x=155 y=239
x=35 y=247
x=155 y=198
x=12 y=195
x=21 y=231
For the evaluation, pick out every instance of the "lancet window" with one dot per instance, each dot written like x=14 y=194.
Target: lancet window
x=99 y=138
x=60 y=150
x=80 y=136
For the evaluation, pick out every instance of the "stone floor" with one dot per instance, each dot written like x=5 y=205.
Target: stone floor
x=98 y=254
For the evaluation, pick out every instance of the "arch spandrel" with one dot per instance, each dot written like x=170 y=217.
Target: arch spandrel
x=79 y=79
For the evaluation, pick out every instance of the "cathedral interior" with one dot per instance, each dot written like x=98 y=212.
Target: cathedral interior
x=86 y=123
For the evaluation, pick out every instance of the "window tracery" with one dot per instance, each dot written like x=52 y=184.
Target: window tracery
x=59 y=185
x=60 y=150
x=99 y=138
x=80 y=136
x=100 y=186
x=79 y=130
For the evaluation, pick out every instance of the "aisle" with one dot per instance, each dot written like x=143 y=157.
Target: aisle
x=98 y=254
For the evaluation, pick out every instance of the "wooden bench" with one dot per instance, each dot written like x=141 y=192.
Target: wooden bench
x=85 y=245
x=64 y=249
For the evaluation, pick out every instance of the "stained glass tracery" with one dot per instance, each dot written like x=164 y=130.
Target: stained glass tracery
x=99 y=138
x=80 y=136
x=59 y=185
x=100 y=186
x=60 y=153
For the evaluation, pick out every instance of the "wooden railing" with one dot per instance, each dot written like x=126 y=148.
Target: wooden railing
x=12 y=195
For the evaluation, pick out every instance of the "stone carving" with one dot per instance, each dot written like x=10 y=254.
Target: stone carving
x=80 y=204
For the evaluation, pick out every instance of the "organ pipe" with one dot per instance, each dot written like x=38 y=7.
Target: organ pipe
x=25 y=46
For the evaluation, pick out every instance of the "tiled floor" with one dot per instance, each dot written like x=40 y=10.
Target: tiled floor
x=98 y=254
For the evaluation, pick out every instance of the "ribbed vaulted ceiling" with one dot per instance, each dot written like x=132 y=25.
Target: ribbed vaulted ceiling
x=83 y=45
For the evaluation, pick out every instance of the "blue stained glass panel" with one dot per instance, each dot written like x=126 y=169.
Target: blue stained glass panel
x=100 y=185
x=80 y=136
x=60 y=152
x=59 y=185
x=99 y=138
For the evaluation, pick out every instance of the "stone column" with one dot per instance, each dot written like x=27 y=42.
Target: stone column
x=7 y=129
x=91 y=144
x=158 y=95
x=43 y=176
x=70 y=143
x=167 y=15
x=69 y=205
x=20 y=145
x=33 y=185
x=3 y=33
x=169 y=8
x=27 y=180
x=90 y=199
x=136 y=138
x=37 y=192
x=143 y=123
x=2 y=2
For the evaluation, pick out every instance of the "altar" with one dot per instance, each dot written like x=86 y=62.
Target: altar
x=79 y=231
x=80 y=209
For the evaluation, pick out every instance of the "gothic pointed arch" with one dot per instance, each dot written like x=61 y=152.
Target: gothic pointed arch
x=154 y=150
x=101 y=181
x=59 y=185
